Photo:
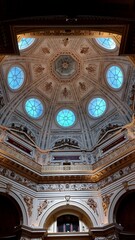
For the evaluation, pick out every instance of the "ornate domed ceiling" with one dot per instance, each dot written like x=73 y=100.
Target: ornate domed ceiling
x=67 y=88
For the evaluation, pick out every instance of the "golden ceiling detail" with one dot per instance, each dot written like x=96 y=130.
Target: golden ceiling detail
x=69 y=31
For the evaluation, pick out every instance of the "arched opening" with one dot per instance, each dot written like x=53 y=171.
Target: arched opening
x=124 y=212
x=10 y=217
x=68 y=223
x=68 y=219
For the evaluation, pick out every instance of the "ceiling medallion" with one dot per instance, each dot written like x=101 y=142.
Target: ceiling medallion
x=65 y=67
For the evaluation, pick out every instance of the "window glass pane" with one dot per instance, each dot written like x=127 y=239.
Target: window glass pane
x=34 y=107
x=65 y=118
x=97 y=107
x=15 y=78
x=114 y=77
x=25 y=43
x=107 y=43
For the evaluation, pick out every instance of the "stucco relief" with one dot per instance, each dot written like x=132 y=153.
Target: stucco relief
x=92 y=204
x=105 y=202
x=29 y=202
x=41 y=207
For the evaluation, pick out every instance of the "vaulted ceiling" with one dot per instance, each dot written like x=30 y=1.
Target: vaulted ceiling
x=68 y=75
x=67 y=72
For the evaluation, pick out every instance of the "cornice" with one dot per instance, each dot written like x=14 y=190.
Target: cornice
x=9 y=29
x=67 y=176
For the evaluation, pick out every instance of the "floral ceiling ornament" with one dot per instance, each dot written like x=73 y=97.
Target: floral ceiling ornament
x=46 y=50
x=38 y=69
x=66 y=92
x=91 y=68
x=82 y=86
x=84 y=50
x=65 y=41
x=48 y=86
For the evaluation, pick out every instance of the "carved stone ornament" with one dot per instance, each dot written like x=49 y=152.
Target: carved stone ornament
x=92 y=205
x=106 y=202
x=29 y=202
x=41 y=207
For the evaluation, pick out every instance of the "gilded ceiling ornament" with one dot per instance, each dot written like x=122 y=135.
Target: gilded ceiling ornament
x=82 y=86
x=91 y=68
x=66 y=92
x=38 y=69
x=65 y=41
x=48 y=86
x=84 y=50
x=46 y=50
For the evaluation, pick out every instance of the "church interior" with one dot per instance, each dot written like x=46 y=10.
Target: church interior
x=67 y=121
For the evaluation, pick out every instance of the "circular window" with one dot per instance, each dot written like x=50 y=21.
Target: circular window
x=97 y=107
x=65 y=118
x=25 y=43
x=34 y=107
x=15 y=78
x=114 y=77
x=107 y=43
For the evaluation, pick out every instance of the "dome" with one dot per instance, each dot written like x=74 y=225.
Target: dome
x=71 y=86
x=67 y=125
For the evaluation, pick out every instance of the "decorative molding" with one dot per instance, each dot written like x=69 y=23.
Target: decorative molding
x=41 y=207
x=29 y=202
x=105 y=202
x=92 y=204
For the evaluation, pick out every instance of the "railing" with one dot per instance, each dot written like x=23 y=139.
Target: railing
x=14 y=155
x=62 y=168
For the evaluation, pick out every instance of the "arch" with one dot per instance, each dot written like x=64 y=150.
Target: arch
x=61 y=208
x=10 y=214
x=18 y=201
x=124 y=212
x=115 y=201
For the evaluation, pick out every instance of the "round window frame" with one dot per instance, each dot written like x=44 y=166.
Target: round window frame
x=27 y=48
x=65 y=127
x=112 y=88
x=24 y=81
x=88 y=103
x=106 y=49
x=37 y=98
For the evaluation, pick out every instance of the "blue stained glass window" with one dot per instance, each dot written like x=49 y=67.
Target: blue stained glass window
x=34 y=107
x=15 y=78
x=65 y=118
x=107 y=43
x=25 y=43
x=115 y=77
x=96 y=107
